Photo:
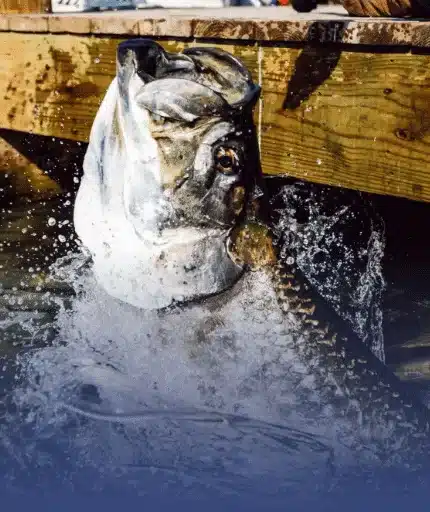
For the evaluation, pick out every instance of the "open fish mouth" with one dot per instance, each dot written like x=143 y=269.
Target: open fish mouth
x=171 y=167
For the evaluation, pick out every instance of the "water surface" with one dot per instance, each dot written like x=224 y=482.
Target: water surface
x=102 y=401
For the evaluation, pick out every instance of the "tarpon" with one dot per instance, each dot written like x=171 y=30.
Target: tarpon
x=171 y=208
x=164 y=175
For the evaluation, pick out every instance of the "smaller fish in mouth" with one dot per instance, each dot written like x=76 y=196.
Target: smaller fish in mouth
x=171 y=166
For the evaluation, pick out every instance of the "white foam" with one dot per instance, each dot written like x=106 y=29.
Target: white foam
x=164 y=382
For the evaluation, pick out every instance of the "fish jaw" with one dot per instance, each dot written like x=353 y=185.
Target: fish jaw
x=168 y=172
x=181 y=265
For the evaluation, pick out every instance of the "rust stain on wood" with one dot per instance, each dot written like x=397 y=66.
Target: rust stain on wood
x=224 y=29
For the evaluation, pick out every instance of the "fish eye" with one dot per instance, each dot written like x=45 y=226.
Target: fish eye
x=226 y=160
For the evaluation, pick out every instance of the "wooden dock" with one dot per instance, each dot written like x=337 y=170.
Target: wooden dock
x=345 y=101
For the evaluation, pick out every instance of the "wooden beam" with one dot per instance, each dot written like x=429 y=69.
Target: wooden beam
x=25 y=6
x=329 y=24
x=359 y=120
x=53 y=84
x=356 y=120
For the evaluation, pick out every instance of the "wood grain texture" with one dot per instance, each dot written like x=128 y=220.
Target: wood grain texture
x=211 y=28
x=28 y=23
x=113 y=24
x=170 y=26
x=53 y=84
x=75 y=25
x=328 y=24
x=357 y=120
x=350 y=119
x=25 y=6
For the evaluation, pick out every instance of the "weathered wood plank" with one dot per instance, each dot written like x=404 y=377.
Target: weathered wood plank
x=4 y=23
x=75 y=25
x=115 y=25
x=170 y=26
x=28 y=23
x=328 y=24
x=358 y=120
x=25 y=6
x=53 y=84
x=351 y=119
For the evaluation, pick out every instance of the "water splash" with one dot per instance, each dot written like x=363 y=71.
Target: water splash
x=208 y=398
x=225 y=380
x=339 y=245
x=124 y=390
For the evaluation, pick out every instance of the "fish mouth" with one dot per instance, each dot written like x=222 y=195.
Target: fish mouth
x=195 y=102
x=166 y=117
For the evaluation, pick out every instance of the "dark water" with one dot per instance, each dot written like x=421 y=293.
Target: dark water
x=100 y=406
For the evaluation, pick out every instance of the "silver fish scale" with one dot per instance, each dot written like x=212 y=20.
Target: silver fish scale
x=356 y=383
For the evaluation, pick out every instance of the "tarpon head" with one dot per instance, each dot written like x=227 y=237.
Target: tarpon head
x=199 y=109
x=171 y=168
